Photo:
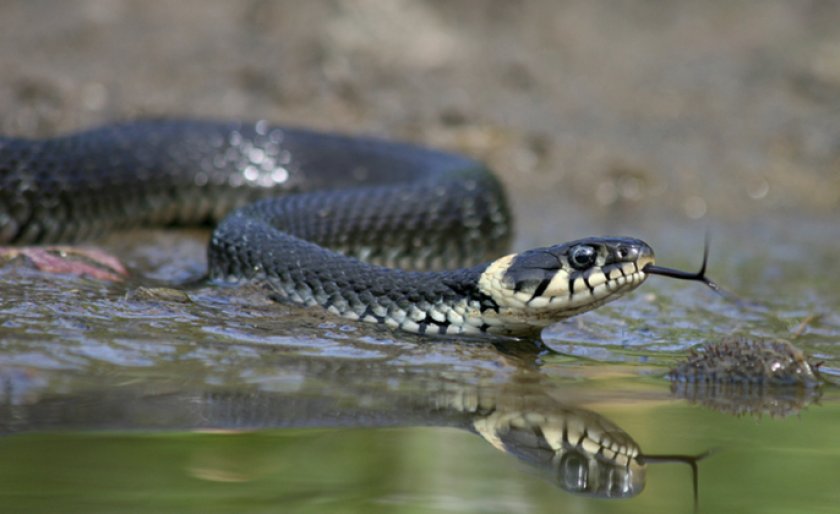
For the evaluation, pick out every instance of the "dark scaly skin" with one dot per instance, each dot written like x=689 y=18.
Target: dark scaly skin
x=248 y=244
x=82 y=185
x=389 y=203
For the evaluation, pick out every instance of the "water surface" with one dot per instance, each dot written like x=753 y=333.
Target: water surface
x=222 y=399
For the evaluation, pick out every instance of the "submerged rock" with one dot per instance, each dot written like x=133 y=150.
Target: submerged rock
x=748 y=376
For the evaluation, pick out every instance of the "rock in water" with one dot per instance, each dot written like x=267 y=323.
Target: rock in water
x=737 y=360
x=740 y=376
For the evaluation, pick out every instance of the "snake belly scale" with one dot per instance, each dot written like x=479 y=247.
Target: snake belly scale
x=368 y=229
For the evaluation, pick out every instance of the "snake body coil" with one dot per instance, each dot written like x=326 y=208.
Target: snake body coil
x=335 y=201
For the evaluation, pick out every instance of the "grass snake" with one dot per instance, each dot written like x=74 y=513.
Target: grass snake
x=368 y=229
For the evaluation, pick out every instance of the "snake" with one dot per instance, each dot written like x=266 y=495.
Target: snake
x=369 y=229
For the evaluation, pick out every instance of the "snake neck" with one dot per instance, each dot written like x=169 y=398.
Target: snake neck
x=431 y=302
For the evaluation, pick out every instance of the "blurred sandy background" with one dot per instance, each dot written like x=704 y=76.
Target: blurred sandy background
x=601 y=116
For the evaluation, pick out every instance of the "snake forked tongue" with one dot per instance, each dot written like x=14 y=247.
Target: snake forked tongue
x=698 y=276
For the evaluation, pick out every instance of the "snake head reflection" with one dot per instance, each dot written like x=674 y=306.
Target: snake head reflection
x=579 y=450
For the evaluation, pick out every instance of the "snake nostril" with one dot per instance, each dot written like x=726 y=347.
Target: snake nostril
x=626 y=253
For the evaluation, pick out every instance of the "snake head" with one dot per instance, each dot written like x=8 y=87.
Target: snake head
x=538 y=287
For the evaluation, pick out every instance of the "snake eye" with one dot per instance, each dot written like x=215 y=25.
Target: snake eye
x=582 y=257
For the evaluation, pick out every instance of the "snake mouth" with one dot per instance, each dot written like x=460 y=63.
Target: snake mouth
x=645 y=262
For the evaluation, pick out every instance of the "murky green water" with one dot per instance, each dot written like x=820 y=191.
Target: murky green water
x=766 y=465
